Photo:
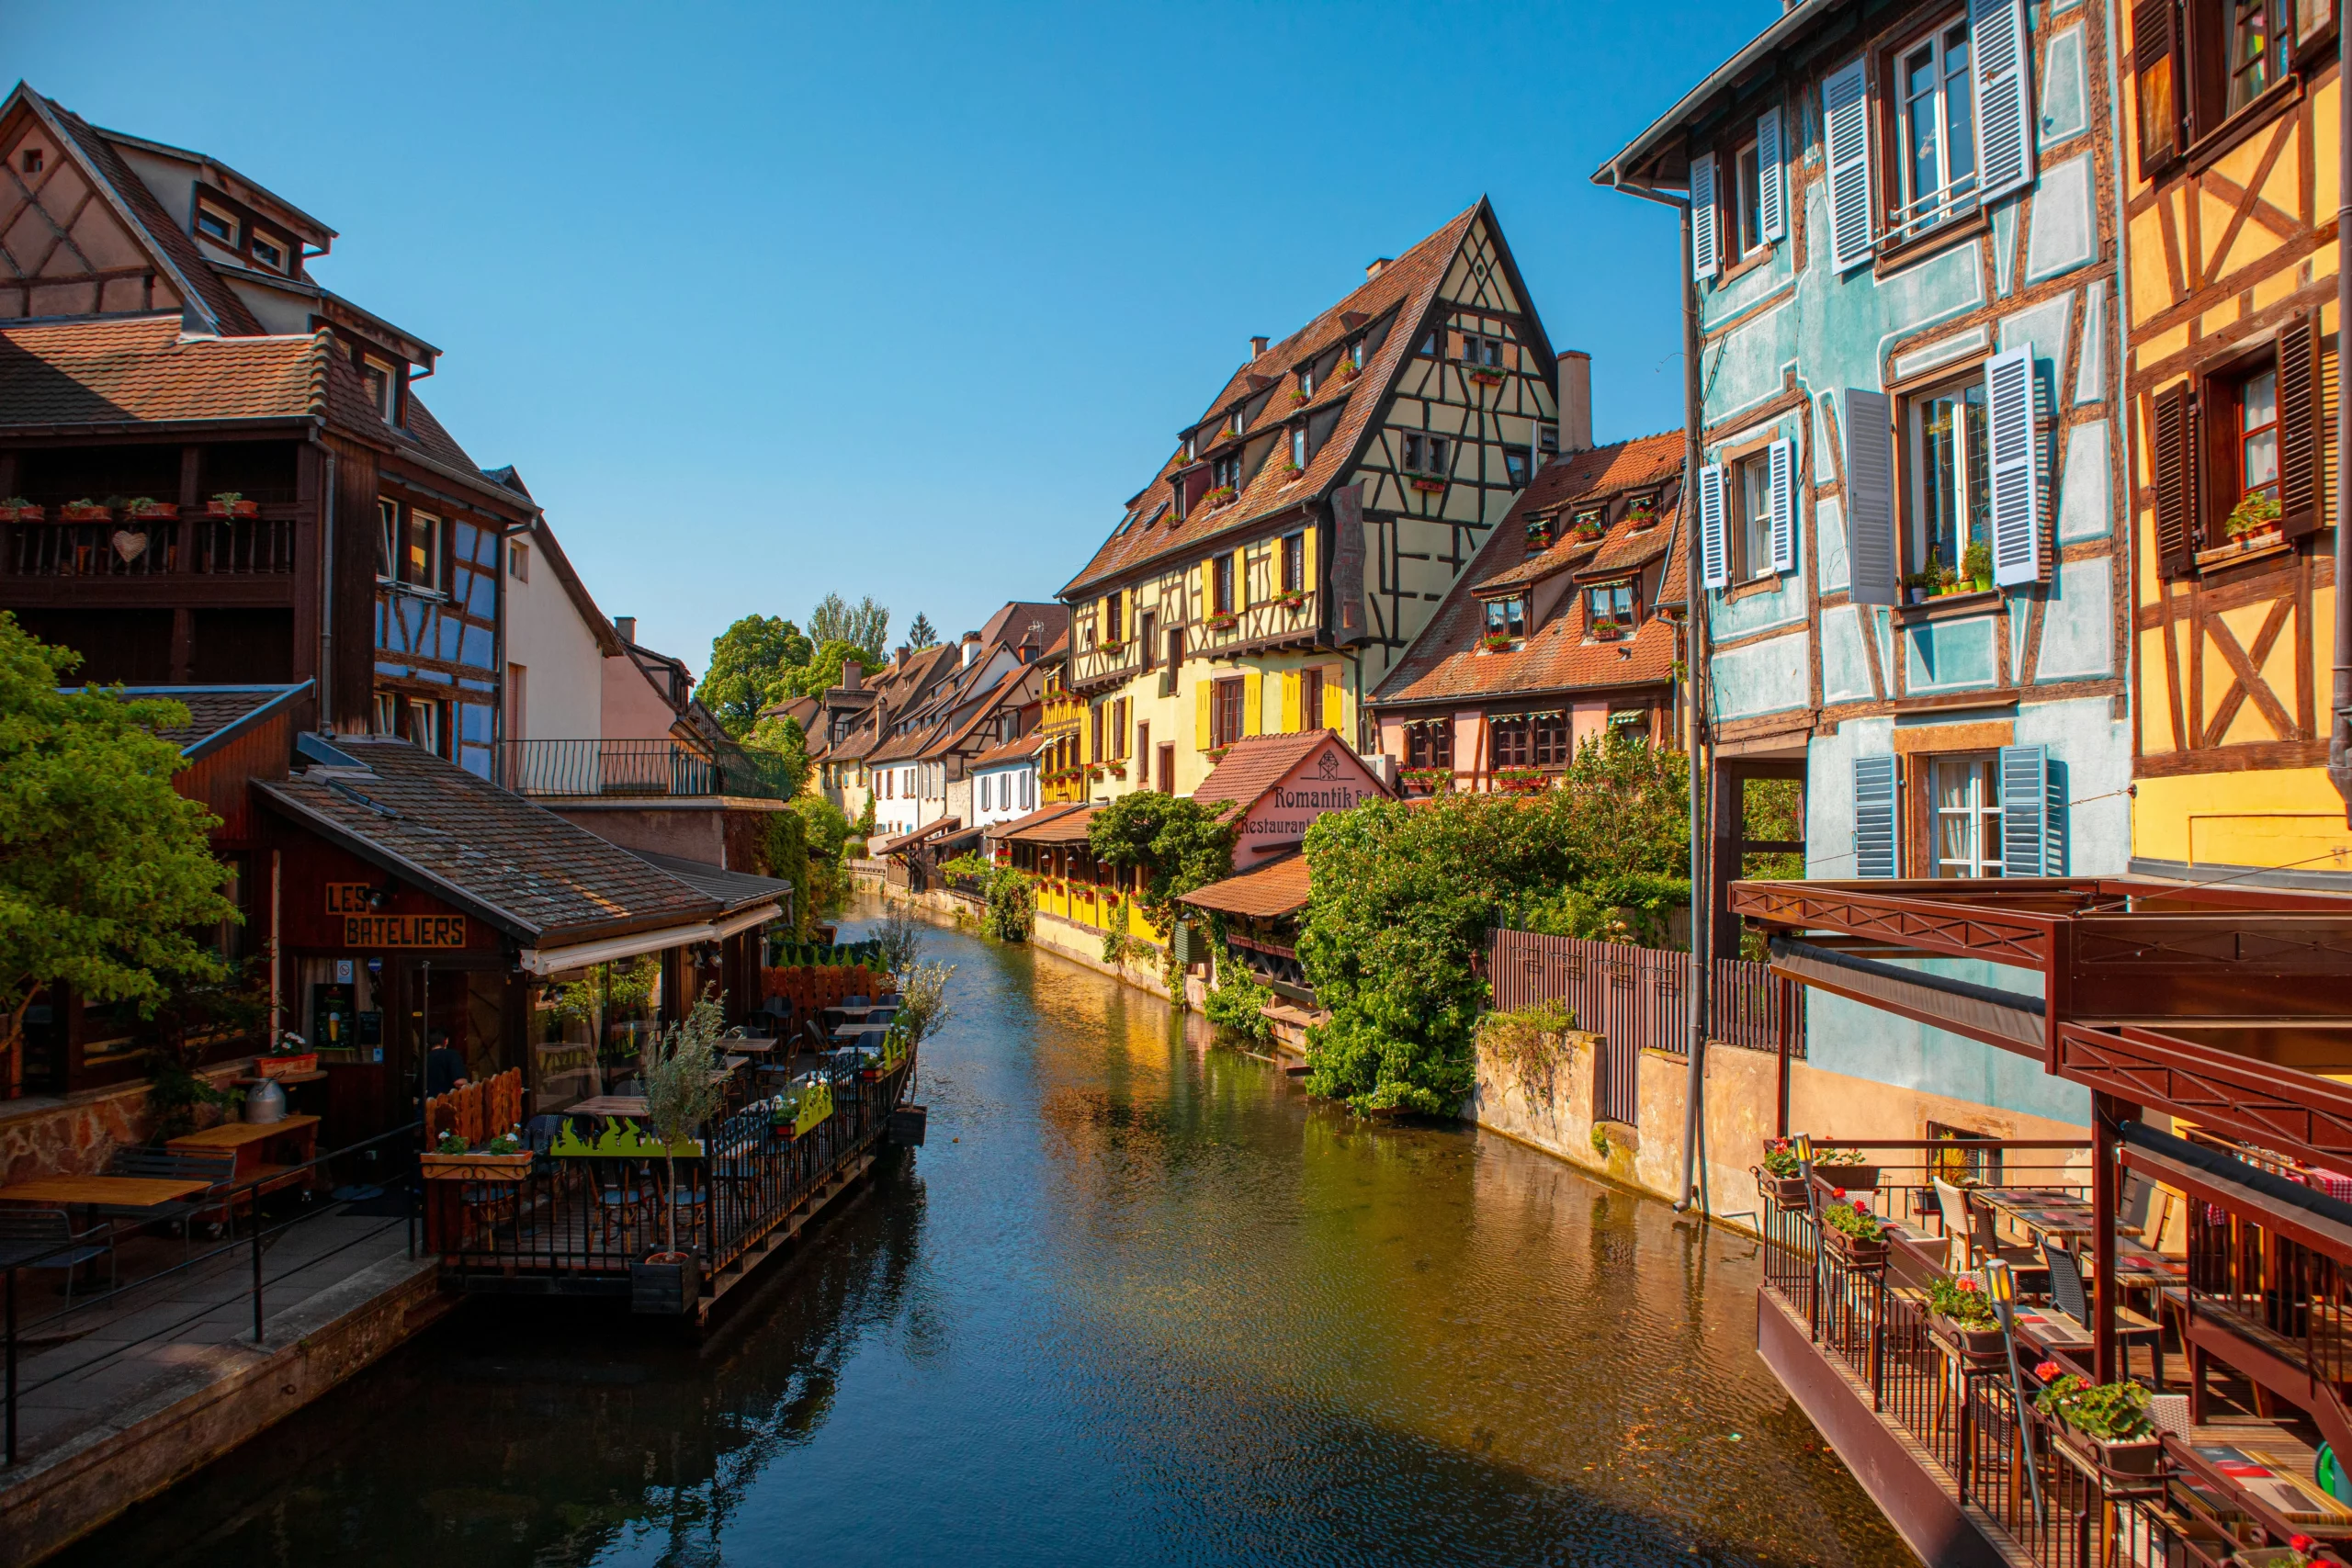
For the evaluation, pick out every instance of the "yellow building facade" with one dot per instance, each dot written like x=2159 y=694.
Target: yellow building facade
x=2229 y=181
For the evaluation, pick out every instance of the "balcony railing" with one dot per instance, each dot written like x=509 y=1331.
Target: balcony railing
x=649 y=769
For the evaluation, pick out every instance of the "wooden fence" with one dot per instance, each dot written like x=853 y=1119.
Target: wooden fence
x=1637 y=996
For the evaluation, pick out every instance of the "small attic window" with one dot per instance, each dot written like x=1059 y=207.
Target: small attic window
x=1306 y=378
x=215 y=224
x=268 y=251
x=31 y=160
x=1515 y=464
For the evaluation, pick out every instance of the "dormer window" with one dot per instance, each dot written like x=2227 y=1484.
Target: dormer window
x=1355 y=353
x=267 y=251
x=1615 y=604
x=1299 y=446
x=1225 y=473
x=1505 y=620
x=1306 y=378
x=216 y=225
x=383 y=386
x=1238 y=420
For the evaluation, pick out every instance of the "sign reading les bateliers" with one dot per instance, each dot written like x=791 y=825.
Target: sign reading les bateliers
x=363 y=926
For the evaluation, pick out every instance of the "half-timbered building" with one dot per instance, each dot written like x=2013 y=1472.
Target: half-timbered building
x=1312 y=517
x=2228 y=178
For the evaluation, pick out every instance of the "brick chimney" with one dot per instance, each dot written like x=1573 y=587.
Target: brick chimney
x=627 y=626
x=1377 y=266
x=1576 y=400
x=852 y=674
x=1258 y=346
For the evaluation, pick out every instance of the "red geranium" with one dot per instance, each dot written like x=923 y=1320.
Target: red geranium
x=2047 y=1370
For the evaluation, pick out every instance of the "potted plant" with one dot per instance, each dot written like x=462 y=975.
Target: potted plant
x=1976 y=564
x=1428 y=484
x=143 y=508
x=1538 y=532
x=16 y=509
x=1297 y=396
x=1844 y=1168
x=2296 y=1553
x=1348 y=371
x=1217 y=754
x=1962 y=1315
x=85 y=510
x=1607 y=630
x=1496 y=642
x=232 y=503
x=1588 y=531
x=1914 y=587
x=1219 y=496
x=1289 y=473
x=1486 y=375
x=503 y=1158
x=2106 y=1423
x=1292 y=599
x=1947 y=580
x=1781 y=1178
x=680 y=1096
x=287 y=1056
x=1428 y=780
x=1118 y=770
x=1523 y=780
x=1224 y=621
x=1853 y=1233
x=1642 y=515
x=2253 y=521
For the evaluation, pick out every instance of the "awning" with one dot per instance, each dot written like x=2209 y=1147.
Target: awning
x=2006 y=1019
x=1066 y=828
x=1004 y=832
x=1263 y=892
x=908 y=840
x=2286 y=1208
x=578 y=955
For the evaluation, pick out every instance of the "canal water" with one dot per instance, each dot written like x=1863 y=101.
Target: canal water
x=1137 y=1301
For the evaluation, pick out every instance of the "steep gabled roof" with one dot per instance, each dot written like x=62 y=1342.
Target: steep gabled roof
x=119 y=370
x=1447 y=660
x=1402 y=293
x=1252 y=767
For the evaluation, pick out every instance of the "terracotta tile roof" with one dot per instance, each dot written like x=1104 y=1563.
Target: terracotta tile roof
x=904 y=841
x=1250 y=767
x=1263 y=892
x=1064 y=824
x=1011 y=751
x=125 y=369
x=1406 y=287
x=1037 y=818
x=164 y=234
x=1446 y=661
x=462 y=839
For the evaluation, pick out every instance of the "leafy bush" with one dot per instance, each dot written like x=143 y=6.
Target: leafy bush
x=1234 y=1005
x=1184 y=844
x=900 y=936
x=922 y=1001
x=1114 y=946
x=825 y=831
x=1530 y=1043
x=1011 y=895
x=1405 y=896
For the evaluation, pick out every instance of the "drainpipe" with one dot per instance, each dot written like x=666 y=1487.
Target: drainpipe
x=1694 y=631
x=2339 y=740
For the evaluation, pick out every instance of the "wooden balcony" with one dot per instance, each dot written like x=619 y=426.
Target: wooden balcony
x=647 y=770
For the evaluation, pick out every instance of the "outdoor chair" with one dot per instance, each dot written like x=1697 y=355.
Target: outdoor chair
x=2066 y=1294
x=1970 y=1225
x=857 y=1001
x=45 y=1238
x=216 y=1166
x=616 y=1191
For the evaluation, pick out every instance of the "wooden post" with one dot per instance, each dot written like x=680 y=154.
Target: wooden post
x=2107 y=1111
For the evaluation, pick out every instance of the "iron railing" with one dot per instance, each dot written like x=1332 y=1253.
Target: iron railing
x=653 y=769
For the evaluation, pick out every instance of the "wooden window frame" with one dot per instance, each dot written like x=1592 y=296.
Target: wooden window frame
x=206 y=207
x=1426 y=453
x=1517 y=466
x=1901 y=396
x=1221 y=584
x=1294 y=568
x=1227 y=722
x=1510 y=741
x=1310 y=698
x=1554 y=740
x=2195 y=47
x=1733 y=460
x=1745 y=205
x=1514 y=617
x=1917 y=774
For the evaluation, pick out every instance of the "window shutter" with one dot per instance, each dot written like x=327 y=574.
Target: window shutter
x=2157 y=69
x=1783 y=464
x=1704 y=246
x=1253 y=703
x=1714 y=565
x=1869 y=496
x=1289 y=702
x=1203 y=730
x=1874 y=849
x=2028 y=813
x=2003 y=125
x=2175 y=465
x=2301 y=476
x=2015 y=453
x=1307 y=560
x=1846 y=119
x=1768 y=179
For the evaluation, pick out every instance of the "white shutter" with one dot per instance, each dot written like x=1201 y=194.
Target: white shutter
x=2004 y=127
x=1769 y=184
x=1702 y=216
x=2014 y=452
x=1875 y=816
x=1715 y=563
x=2029 y=813
x=1782 y=464
x=1869 y=498
x=1846 y=119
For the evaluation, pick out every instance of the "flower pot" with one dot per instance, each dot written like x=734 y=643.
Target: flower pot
x=1852 y=1177
x=1915 y=595
x=284 y=1067
x=667 y=1284
x=218 y=512
x=1980 y=585
x=86 y=514
x=1973 y=1343
x=22 y=514
x=471 y=1167
x=2117 y=1456
x=1857 y=1254
x=1428 y=486
x=1786 y=1191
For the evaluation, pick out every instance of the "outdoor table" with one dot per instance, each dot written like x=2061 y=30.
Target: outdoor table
x=2039 y=1211
x=269 y=1153
x=2052 y=1330
x=848 y=1034
x=750 y=1047
x=607 y=1105
x=110 y=1191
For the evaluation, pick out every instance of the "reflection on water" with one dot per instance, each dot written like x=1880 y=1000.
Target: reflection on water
x=1137 y=1301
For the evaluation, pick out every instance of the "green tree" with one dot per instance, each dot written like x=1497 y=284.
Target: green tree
x=751 y=664
x=824 y=669
x=866 y=624
x=778 y=737
x=1185 y=844
x=106 y=884
x=1403 y=898
x=921 y=635
x=825 y=830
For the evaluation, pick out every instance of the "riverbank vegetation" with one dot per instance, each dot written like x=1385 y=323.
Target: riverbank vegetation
x=1184 y=845
x=1011 y=895
x=1404 y=896
x=1237 y=1006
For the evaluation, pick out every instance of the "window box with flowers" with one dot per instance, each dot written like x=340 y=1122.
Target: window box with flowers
x=1486 y=375
x=1523 y=780
x=2106 y=1423
x=1292 y=599
x=1428 y=484
x=1586 y=533
x=1116 y=770
x=1608 y=631
x=1224 y=621
x=1216 y=754
x=146 y=509
x=16 y=509
x=1963 y=1315
x=1222 y=495
x=1297 y=397
x=1498 y=642
x=86 y=511
x=1642 y=516
x=1095 y=772
x=1538 y=532
x=2252 y=527
x=1853 y=1233
x=1427 y=781
x=229 y=504
x=1289 y=473
x=1348 y=371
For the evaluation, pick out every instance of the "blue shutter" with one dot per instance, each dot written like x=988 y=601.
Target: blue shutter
x=1846 y=134
x=1702 y=216
x=1874 y=853
x=2016 y=462
x=1769 y=183
x=2029 y=813
x=1782 y=464
x=1869 y=498
x=1715 y=561
x=2004 y=129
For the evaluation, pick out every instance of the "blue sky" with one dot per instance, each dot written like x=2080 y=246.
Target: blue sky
x=905 y=300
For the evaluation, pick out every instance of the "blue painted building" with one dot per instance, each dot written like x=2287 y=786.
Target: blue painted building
x=1901 y=229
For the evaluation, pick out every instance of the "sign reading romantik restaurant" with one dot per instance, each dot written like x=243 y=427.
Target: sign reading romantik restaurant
x=1318 y=774
x=1288 y=812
